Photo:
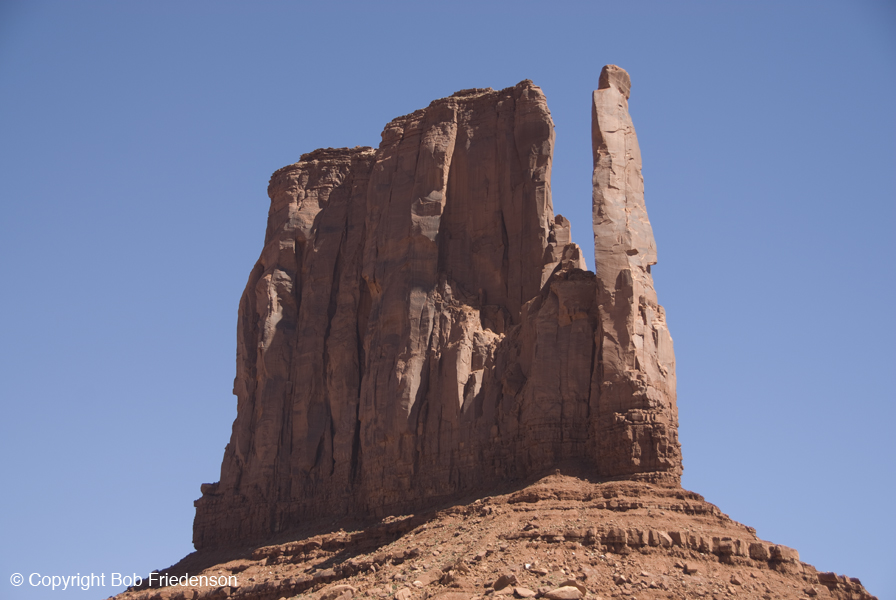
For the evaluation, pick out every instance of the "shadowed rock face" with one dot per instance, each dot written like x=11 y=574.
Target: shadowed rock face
x=419 y=325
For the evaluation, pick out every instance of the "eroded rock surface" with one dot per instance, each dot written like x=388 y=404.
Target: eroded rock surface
x=419 y=324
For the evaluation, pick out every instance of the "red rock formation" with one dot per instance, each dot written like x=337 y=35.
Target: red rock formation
x=419 y=324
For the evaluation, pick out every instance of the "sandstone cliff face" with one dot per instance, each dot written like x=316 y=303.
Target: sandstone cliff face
x=419 y=324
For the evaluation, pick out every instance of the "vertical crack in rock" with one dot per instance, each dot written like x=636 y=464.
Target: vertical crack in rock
x=419 y=324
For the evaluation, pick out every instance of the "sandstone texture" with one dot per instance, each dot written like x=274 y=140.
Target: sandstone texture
x=419 y=324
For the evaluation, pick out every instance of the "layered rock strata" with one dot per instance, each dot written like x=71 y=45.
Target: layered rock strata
x=618 y=539
x=419 y=324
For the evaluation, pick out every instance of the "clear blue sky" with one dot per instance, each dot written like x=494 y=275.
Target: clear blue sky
x=136 y=142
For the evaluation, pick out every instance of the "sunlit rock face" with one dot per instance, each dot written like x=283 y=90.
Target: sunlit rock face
x=419 y=325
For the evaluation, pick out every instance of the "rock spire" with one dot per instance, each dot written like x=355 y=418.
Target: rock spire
x=420 y=326
x=639 y=416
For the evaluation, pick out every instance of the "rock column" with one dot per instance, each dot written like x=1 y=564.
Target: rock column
x=637 y=414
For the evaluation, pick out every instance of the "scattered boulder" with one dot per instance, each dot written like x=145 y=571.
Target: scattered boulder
x=452 y=596
x=575 y=584
x=504 y=581
x=337 y=592
x=566 y=592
